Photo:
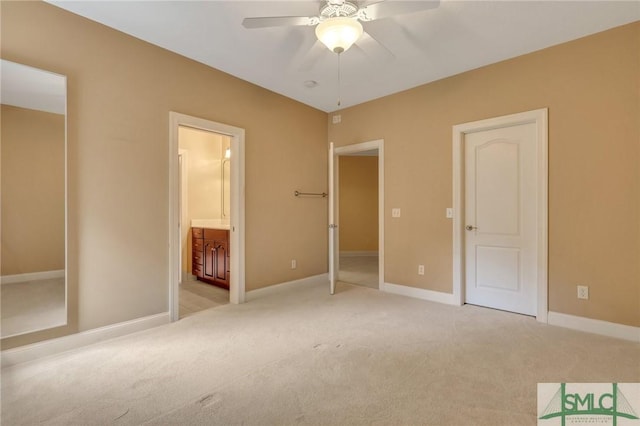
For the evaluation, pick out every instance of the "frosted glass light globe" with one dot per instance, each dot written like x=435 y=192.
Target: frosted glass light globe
x=339 y=33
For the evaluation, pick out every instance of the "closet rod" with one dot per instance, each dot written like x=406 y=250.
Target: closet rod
x=298 y=193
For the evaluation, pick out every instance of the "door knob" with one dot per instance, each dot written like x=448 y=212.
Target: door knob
x=470 y=228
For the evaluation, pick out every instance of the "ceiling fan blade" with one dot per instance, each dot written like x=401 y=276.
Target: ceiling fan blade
x=385 y=9
x=374 y=49
x=393 y=30
x=279 y=21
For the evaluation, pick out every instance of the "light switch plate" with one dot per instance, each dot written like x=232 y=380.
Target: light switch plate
x=449 y=213
x=395 y=212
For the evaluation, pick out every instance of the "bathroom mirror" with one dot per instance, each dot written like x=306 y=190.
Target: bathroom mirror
x=33 y=288
x=226 y=180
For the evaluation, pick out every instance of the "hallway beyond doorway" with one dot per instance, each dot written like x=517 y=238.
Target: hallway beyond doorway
x=359 y=270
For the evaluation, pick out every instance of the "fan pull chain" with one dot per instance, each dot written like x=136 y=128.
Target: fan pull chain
x=339 y=82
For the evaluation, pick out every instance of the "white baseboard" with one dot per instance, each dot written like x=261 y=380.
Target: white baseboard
x=73 y=341
x=589 y=325
x=31 y=276
x=358 y=253
x=420 y=293
x=277 y=288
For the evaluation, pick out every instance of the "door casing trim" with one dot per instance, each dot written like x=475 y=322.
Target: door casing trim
x=540 y=118
x=237 y=231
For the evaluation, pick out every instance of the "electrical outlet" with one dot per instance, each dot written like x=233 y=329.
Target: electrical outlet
x=583 y=292
x=420 y=269
x=294 y=264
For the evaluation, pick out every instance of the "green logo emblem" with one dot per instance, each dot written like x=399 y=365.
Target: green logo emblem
x=612 y=404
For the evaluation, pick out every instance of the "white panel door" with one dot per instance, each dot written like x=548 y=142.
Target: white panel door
x=333 y=254
x=500 y=218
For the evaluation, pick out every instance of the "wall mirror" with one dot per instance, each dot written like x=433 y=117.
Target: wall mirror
x=226 y=180
x=33 y=290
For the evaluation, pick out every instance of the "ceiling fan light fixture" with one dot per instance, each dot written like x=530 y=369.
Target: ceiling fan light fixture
x=339 y=33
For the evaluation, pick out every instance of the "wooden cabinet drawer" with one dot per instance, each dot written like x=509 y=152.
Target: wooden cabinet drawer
x=216 y=234
x=198 y=245
x=196 y=270
x=198 y=258
x=196 y=232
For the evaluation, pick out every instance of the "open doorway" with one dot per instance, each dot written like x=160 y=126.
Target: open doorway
x=358 y=188
x=358 y=218
x=204 y=158
x=206 y=214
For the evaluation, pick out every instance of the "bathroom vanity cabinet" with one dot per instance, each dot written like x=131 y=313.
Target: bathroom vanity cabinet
x=210 y=256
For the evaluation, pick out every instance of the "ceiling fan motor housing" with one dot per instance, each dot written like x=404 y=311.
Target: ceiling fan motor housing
x=333 y=9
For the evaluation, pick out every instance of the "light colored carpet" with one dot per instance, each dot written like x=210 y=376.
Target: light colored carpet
x=32 y=305
x=359 y=270
x=303 y=357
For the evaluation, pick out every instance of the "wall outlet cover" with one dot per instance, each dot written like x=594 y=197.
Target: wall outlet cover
x=583 y=292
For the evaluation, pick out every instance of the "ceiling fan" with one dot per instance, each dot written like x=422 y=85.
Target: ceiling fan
x=338 y=22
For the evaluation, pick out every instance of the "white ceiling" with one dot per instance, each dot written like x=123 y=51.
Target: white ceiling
x=426 y=46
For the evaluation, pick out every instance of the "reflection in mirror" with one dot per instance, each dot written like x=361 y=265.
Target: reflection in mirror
x=33 y=191
x=226 y=180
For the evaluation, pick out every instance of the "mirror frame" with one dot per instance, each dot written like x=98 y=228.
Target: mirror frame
x=34 y=332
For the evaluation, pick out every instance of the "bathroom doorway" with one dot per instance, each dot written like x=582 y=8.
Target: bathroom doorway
x=204 y=158
x=206 y=214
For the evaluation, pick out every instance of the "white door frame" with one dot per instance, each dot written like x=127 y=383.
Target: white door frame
x=354 y=149
x=237 y=233
x=184 y=197
x=539 y=118
x=334 y=263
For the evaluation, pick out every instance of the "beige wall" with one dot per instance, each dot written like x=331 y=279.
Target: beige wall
x=120 y=92
x=591 y=87
x=32 y=188
x=358 y=201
